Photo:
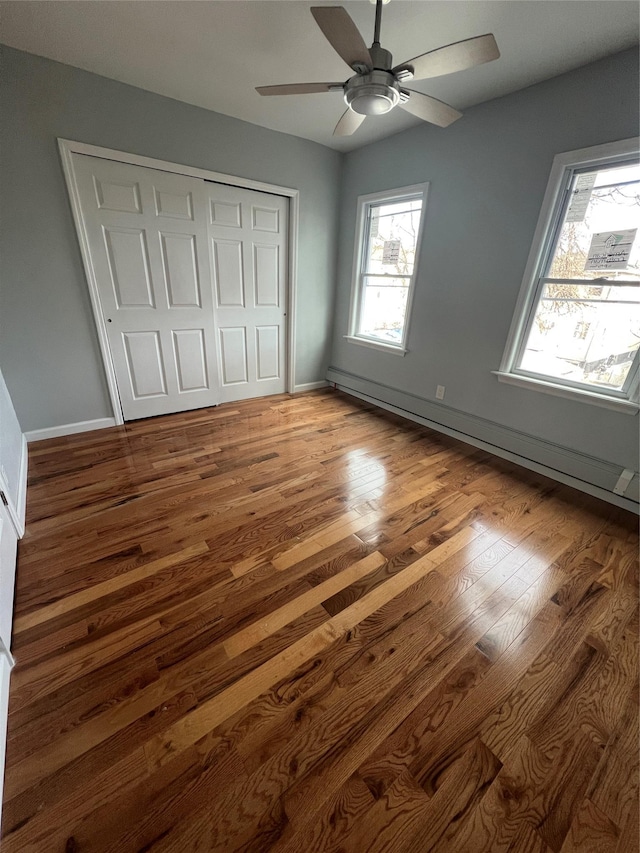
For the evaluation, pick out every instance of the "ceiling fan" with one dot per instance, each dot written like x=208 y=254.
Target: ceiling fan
x=376 y=87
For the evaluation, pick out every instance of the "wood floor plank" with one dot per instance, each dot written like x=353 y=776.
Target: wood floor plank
x=73 y=602
x=342 y=811
x=302 y=623
x=252 y=634
x=591 y=830
x=506 y=817
x=629 y=840
x=463 y=785
x=613 y=788
x=393 y=820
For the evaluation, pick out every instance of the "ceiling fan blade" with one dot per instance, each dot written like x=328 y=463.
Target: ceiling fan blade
x=430 y=109
x=298 y=88
x=349 y=123
x=342 y=34
x=453 y=57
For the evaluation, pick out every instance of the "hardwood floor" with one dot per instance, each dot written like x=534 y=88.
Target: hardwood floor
x=303 y=624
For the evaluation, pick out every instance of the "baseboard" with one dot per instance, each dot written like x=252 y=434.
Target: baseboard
x=582 y=472
x=310 y=386
x=69 y=429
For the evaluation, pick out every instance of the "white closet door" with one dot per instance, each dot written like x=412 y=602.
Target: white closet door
x=8 y=547
x=5 y=673
x=248 y=233
x=147 y=233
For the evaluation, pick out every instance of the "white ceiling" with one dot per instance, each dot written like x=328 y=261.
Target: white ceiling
x=213 y=53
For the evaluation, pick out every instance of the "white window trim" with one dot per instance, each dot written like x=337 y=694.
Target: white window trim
x=374 y=343
x=363 y=201
x=563 y=164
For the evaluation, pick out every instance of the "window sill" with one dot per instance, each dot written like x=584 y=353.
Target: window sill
x=379 y=345
x=614 y=403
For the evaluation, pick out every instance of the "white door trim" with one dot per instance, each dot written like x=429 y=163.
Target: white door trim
x=68 y=147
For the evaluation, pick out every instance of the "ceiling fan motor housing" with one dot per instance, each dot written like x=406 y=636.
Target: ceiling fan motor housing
x=372 y=94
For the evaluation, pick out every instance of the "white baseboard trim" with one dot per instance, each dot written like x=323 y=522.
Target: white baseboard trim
x=310 y=386
x=582 y=472
x=69 y=429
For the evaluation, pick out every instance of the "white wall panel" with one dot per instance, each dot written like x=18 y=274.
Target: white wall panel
x=265 y=219
x=228 y=273
x=174 y=205
x=267 y=352
x=233 y=355
x=226 y=213
x=144 y=361
x=129 y=266
x=266 y=274
x=181 y=270
x=189 y=346
x=121 y=197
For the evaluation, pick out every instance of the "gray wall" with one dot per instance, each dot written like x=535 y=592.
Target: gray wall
x=487 y=173
x=48 y=344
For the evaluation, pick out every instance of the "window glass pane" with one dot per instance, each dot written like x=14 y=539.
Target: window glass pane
x=391 y=241
x=599 y=291
x=616 y=174
x=604 y=202
x=383 y=309
x=584 y=340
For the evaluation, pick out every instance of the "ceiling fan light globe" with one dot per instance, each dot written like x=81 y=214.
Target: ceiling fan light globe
x=372 y=94
x=371 y=104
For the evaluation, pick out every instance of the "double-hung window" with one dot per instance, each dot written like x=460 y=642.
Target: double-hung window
x=577 y=326
x=388 y=234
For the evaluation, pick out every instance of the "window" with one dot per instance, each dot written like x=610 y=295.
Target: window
x=577 y=326
x=389 y=228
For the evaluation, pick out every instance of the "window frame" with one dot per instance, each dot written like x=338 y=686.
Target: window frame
x=551 y=218
x=364 y=204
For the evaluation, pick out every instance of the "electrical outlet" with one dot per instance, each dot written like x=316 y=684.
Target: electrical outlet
x=440 y=392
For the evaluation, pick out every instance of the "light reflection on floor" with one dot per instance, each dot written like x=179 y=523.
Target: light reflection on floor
x=366 y=477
